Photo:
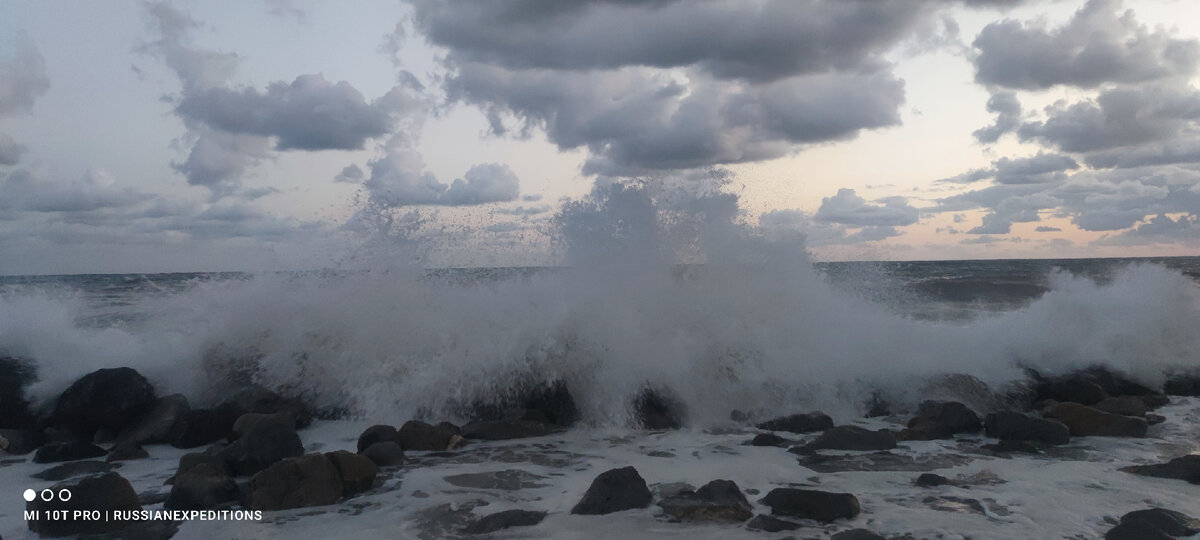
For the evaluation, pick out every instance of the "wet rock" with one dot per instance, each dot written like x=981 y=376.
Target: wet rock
x=310 y=480
x=1155 y=419
x=821 y=506
x=154 y=425
x=1169 y=522
x=1113 y=383
x=257 y=399
x=1183 y=384
x=856 y=534
x=613 y=491
x=1074 y=388
x=67 y=451
x=189 y=461
x=877 y=406
x=499 y=430
x=799 y=423
x=765 y=523
x=201 y=487
x=384 y=454
x=1181 y=468
x=104 y=492
x=940 y=420
x=769 y=439
x=1137 y=530
x=19 y=441
x=853 y=438
x=247 y=421
x=1123 y=405
x=1014 y=426
x=199 y=427
x=507 y=480
x=504 y=520
x=76 y=468
x=357 y=472
x=880 y=461
x=377 y=433
x=719 y=500
x=671 y=489
x=126 y=452
x=15 y=375
x=262 y=445
x=553 y=401
x=419 y=436
x=1086 y=421
x=658 y=410
x=1154 y=401
x=929 y=480
x=105 y=398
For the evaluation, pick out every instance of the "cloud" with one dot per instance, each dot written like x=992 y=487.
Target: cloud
x=761 y=40
x=1118 y=117
x=22 y=80
x=351 y=174
x=31 y=191
x=1100 y=44
x=1046 y=228
x=399 y=178
x=524 y=210
x=1041 y=168
x=847 y=208
x=232 y=129
x=1008 y=116
x=650 y=88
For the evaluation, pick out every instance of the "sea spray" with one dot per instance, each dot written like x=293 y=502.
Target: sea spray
x=657 y=291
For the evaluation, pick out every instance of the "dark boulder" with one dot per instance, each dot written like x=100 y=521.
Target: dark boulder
x=189 y=461
x=248 y=421
x=853 y=438
x=385 y=454
x=155 y=424
x=1181 y=468
x=1183 y=384
x=1137 y=530
x=1071 y=388
x=769 y=439
x=357 y=472
x=553 y=401
x=263 y=444
x=256 y=399
x=657 y=410
x=15 y=375
x=928 y=480
x=377 y=433
x=105 y=398
x=310 y=480
x=1168 y=521
x=941 y=420
x=19 y=441
x=1014 y=426
x=799 y=423
x=504 y=520
x=199 y=427
x=765 y=523
x=126 y=452
x=67 y=451
x=499 y=430
x=1085 y=421
x=201 y=487
x=104 y=492
x=419 y=436
x=1123 y=405
x=856 y=534
x=719 y=500
x=613 y=491
x=74 y=468
x=821 y=506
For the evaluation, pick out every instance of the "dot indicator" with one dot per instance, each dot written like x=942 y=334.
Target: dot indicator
x=30 y=495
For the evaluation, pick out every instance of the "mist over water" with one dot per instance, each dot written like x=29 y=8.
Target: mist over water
x=658 y=291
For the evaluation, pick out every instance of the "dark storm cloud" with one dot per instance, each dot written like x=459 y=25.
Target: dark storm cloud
x=1100 y=44
x=232 y=129
x=847 y=208
x=1118 y=117
x=758 y=40
x=653 y=87
x=22 y=80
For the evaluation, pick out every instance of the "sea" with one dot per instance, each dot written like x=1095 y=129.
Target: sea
x=763 y=336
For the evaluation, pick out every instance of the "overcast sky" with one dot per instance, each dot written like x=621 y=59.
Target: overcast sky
x=148 y=136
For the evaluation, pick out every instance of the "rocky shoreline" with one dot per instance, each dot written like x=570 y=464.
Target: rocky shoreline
x=525 y=467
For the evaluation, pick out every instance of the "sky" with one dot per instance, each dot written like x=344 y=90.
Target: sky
x=270 y=135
